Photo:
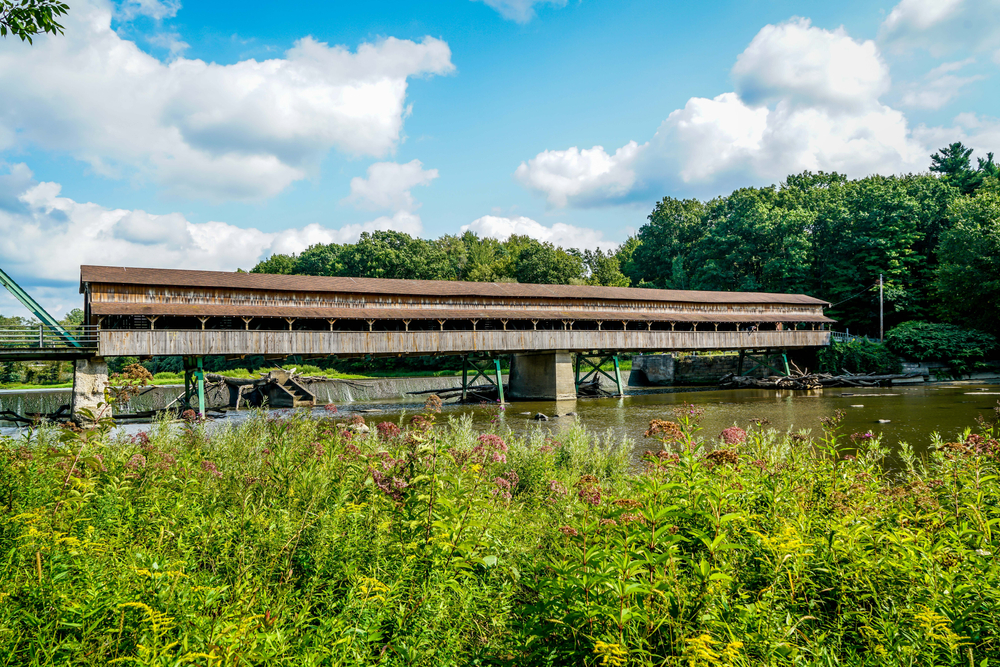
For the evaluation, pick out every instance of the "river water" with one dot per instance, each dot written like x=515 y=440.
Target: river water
x=914 y=412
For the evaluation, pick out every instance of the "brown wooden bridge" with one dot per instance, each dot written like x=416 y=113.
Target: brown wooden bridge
x=158 y=312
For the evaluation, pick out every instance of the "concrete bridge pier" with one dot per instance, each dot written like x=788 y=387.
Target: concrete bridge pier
x=90 y=379
x=544 y=376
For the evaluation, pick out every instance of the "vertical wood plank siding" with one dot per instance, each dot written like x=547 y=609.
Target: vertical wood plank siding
x=145 y=295
x=348 y=344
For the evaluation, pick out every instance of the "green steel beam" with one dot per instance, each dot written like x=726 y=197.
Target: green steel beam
x=36 y=309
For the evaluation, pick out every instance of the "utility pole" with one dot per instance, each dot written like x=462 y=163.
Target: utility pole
x=881 y=335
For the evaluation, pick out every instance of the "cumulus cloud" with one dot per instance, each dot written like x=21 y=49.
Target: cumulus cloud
x=240 y=131
x=520 y=11
x=806 y=98
x=388 y=186
x=943 y=26
x=583 y=175
x=976 y=131
x=45 y=237
x=560 y=234
x=940 y=86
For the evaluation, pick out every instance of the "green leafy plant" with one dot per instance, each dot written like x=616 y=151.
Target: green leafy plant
x=963 y=350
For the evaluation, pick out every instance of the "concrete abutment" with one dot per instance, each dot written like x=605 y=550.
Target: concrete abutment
x=90 y=379
x=544 y=376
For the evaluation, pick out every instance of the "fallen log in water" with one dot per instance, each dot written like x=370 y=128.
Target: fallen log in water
x=805 y=380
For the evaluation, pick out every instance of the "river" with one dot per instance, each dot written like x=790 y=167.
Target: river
x=914 y=412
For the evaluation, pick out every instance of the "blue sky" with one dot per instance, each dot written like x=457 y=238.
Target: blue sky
x=210 y=135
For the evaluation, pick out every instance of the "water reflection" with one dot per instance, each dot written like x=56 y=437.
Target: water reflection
x=913 y=412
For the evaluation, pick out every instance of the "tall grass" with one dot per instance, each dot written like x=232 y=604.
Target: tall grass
x=299 y=541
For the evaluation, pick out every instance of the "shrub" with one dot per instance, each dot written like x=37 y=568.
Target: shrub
x=858 y=356
x=962 y=349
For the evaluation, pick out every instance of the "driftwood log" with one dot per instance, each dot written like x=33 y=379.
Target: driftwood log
x=805 y=380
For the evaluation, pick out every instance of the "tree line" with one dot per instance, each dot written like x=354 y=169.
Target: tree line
x=933 y=237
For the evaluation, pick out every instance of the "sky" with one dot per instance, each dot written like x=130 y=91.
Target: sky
x=211 y=135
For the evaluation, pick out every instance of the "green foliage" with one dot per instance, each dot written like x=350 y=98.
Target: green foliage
x=296 y=541
x=968 y=279
x=860 y=355
x=27 y=18
x=962 y=349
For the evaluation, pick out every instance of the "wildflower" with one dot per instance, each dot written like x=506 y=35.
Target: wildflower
x=631 y=518
x=318 y=450
x=433 y=403
x=387 y=430
x=609 y=522
x=211 y=469
x=665 y=431
x=589 y=490
x=137 y=461
x=865 y=437
x=629 y=503
x=350 y=452
x=504 y=485
x=556 y=488
x=491 y=447
x=331 y=408
x=189 y=416
x=422 y=422
x=733 y=435
x=569 y=531
x=834 y=421
x=760 y=421
x=356 y=420
x=611 y=655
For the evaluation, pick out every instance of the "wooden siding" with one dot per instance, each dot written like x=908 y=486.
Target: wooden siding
x=353 y=344
x=143 y=299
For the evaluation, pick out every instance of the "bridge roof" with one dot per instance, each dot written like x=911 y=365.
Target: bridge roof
x=443 y=288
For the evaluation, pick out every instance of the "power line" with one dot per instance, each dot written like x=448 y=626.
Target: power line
x=856 y=295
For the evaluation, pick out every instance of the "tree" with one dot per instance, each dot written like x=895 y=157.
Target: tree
x=604 y=269
x=753 y=244
x=543 y=263
x=954 y=163
x=26 y=18
x=280 y=264
x=968 y=277
x=660 y=256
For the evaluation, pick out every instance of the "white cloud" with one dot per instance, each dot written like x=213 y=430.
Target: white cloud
x=588 y=174
x=939 y=86
x=795 y=62
x=981 y=133
x=560 y=234
x=942 y=26
x=388 y=186
x=240 y=131
x=520 y=11
x=45 y=237
x=806 y=98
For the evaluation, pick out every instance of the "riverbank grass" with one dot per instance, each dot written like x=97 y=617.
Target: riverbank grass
x=300 y=541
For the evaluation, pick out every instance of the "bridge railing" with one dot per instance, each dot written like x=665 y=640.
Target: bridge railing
x=841 y=337
x=42 y=337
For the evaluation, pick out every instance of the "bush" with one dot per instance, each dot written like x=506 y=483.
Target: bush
x=858 y=356
x=295 y=541
x=962 y=349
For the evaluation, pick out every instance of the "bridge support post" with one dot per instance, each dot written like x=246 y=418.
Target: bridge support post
x=90 y=379
x=545 y=376
x=465 y=377
x=618 y=376
x=194 y=383
x=496 y=362
x=596 y=371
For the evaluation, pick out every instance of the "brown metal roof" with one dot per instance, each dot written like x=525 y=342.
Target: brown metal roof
x=263 y=281
x=115 y=308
